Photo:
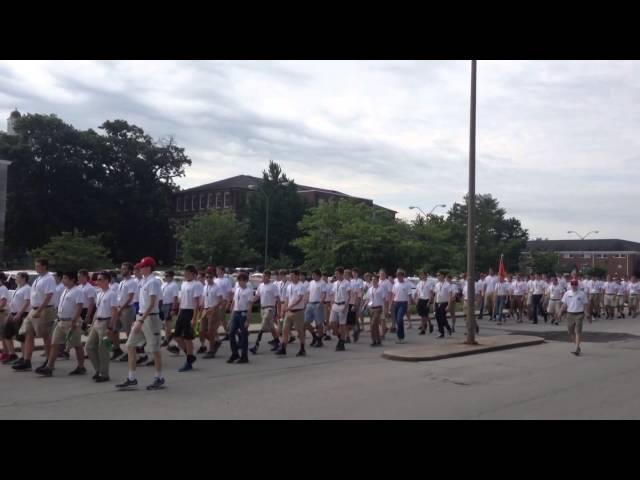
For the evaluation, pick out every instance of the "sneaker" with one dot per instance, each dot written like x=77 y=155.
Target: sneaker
x=115 y=354
x=216 y=346
x=292 y=339
x=142 y=360
x=209 y=355
x=202 y=350
x=173 y=349
x=340 y=346
x=326 y=337
x=281 y=351
x=319 y=343
x=128 y=384
x=45 y=372
x=64 y=355
x=275 y=348
x=441 y=335
x=164 y=344
x=356 y=336
x=24 y=366
x=225 y=338
x=157 y=384
x=374 y=344
x=314 y=341
x=430 y=328
x=78 y=371
x=95 y=377
x=124 y=358
x=243 y=360
x=348 y=340
x=422 y=332
x=186 y=367
x=233 y=358
x=273 y=342
x=576 y=352
x=102 y=379
x=301 y=353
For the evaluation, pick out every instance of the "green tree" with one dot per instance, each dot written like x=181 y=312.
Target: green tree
x=215 y=238
x=73 y=251
x=118 y=183
x=286 y=209
x=540 y=262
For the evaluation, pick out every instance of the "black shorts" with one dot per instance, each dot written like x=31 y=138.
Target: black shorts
x=351 y=316
x=423 y=307
x=11 y=329
x=83 y=314
x=183 y=328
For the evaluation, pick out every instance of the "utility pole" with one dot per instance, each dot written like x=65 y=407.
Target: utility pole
x=471 y=214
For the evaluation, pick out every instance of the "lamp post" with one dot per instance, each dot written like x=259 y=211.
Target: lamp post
x=440 y=205
x=582 y=237
x=266 y=218
x=471 y=207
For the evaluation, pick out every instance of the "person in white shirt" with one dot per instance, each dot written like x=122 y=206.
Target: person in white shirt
x=328 y=300
x=357 y=291
x=424 y=297
x=610 y=297
x=341 y=293
x=472 y=304
x=137 y=276
x=386 y=285
x=103 y=325
x=269 y=295
x=18 y=310
x=39 y=322
x=227 y=291
x=241 y=305
x=4 y=312
x=489 y=284
x=191 y=291
x=574 y=302
x=57 y=276
x=538 y=288
x=293 y=314
x=314 y=310
x=401 y=299
x=518 y=292
x=621 y=286
x=441 y=294
x=169 y=306
x=212 y=300
x=68 y=328
x=147 y=329
x=633 y=290
x=453 y=299
x=480 y=284
x=554 y=293
x=125 y=316
x=376 y=298
x=501 y=290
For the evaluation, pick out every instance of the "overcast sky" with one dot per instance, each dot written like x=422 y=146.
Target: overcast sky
x=557 y=140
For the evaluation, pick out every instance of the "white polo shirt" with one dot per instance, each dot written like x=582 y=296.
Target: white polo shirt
x=150 y=286
x=376 y=296
x=190 y=292
x=621 y=289
x=327 y=288
x=20 y=296
x=89 y=292
x=242 y=297
x=555 y=292
x=212 y=296
x=69 y=301
x=424 y=289
x=610 y=288
x=490 y=284
x=575 y=301
x=386 y=285
x=58 y=293
x=442 y=292
x=519 y=288
x=502 y=289
x=294 y=291
x=268 y=293
x=125 y=287
x=357 y=286
x=341 y=291
x=42 y=286
x=136 y=293
x=402 y=291
x=225 y=286
x=170 y=290
x=105 y=301
x=316 y=291
x=634 y=288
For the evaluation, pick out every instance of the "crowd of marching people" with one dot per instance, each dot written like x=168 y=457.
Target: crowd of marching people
x=62 y=307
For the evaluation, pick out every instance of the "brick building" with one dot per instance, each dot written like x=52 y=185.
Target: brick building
x=620 y=257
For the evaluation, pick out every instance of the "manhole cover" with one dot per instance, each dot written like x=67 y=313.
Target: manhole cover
x=592 y=337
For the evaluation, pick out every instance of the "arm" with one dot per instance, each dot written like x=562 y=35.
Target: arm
x=294 y=304
x=196 y=300
x=127 y=303
x=114 y=316
x=76 y=316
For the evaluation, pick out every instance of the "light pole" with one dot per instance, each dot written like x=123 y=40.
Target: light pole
x=266 y=217
x=471 y=207
x=581 y=237
x=440 y=205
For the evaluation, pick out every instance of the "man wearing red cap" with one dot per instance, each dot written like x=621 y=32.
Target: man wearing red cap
x=575 y=302
x=148 y=327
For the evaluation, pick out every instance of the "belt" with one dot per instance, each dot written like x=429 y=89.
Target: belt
x=555 y=299
x=375 y=308
x=610 y=294
x=575 y=313
x=128 y=306
x=268 y=306
x=313 y=303
x=36 y=308
x=339 y=303
x=104 y=318
x=297 y=310
x=64 y=319
x=240 y=311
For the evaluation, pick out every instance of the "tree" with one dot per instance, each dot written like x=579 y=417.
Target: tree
x=118 y=184
x=74 y=251
x=215 y=238
x=540 y=262
x=350 y=233
x=286 y=209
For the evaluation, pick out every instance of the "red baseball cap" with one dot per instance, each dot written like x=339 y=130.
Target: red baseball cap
x=574 y=281
x=210 y=270
x=146 y=262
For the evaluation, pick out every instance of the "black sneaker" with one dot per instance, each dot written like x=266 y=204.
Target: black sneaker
x=173 y=349
x=319 y=343
x=374 y=344
x=348 y=340
x=124 y=358
x=158 y=383
x=233 y=358
x=243 y=360
x=422 y=332
x=225 y=338
x=326 y=337
x=273 y=342
x=356 y=336
x=430 y=328
x=41 y=367
x=576 y=352
x=142 y=360
x=216 y=346
x=78 y=371
x=202 y=350
x=115 y=354
x=45 y=372
x=128 y=384
x=292 y=339
x=95 y=377
x=340 y=346
x=254 y=350
x=164 y=344
x=209 y=355
x=102 y=379
x=314 y=341
x=281 y=351
x=24 y=366
x=441 y=335
x=276 y=347
x=301 y=353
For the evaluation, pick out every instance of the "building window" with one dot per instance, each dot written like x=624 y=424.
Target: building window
x=227 y=199
x=602 y=255
x=178 y=204
x=587 y=255
x=185 y=204
x=202 y=205
x=218 y=200
x=567 y=255
x=210 y=200
x=619 y=256
x=194 y=202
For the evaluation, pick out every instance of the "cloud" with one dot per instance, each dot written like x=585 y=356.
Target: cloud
x=557 y=140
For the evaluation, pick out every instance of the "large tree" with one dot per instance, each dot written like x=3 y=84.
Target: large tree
x=117 y=184
x=73 y=251
x=286 y=209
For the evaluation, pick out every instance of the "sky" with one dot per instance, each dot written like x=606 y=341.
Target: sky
x=557 y=141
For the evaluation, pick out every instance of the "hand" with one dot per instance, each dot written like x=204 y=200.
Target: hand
x=36 y=315
x=137 y=326
x=246 y=324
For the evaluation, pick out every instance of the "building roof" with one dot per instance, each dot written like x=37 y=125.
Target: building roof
x=15 y=114
x=587 y=245
x=243 y=182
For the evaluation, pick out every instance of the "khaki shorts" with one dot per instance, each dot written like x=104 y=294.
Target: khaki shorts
x=574 y=322
x=295 y=319
x=267 y=315
x=221 y=313
x=125 y=320
x=633 y=302
x=150 y=334
x=39 y=327
x=620 y=301
x=554 y=307
x=209 y=320
x=61 y=334
x=339 y=314
x=610 y=300
x=3 y=322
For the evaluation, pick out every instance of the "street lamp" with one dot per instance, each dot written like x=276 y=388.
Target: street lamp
x=581 y=237
x=266 y=219
x=471 y=207
x=440 y=205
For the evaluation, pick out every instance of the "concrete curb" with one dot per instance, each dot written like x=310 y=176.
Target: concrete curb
x=456 y=348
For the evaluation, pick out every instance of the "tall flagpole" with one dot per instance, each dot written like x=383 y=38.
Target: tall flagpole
x=471 y=225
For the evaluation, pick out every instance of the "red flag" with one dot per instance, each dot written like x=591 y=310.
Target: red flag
x=501 y=270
